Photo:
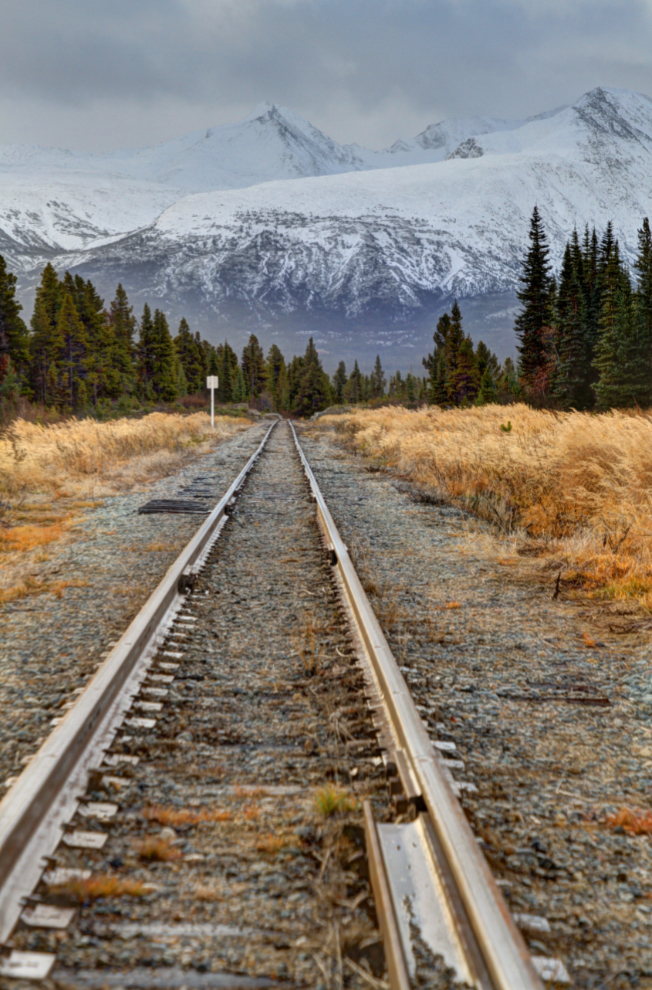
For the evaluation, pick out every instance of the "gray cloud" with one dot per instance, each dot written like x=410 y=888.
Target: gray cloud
x=103 y=74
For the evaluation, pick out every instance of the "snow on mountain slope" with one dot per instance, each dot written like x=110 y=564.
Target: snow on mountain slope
x=347 y=234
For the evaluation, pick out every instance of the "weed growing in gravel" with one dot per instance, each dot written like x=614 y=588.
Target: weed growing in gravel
x=32 y=586
x=635 y=821
x=271 y=844
x=154 y=849
x=101 y=885
x=184 y=817
x=577 y=485
x=332 y=800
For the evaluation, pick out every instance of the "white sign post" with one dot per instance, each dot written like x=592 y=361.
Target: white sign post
x=212 y=383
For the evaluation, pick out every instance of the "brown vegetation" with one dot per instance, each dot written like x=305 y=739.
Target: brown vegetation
x=48 y=472
x=101 y=885
x=634 y=821
x=574 y=488
x=184 y=817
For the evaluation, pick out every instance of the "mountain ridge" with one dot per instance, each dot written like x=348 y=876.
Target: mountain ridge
x=336 y=235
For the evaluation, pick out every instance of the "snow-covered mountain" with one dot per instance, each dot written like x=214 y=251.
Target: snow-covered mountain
x=271 y=223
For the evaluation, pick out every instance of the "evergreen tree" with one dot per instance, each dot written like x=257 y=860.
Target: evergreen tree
x=535 y=296
x=164 y=385
x=488 y=392
x=314 y=391
x=14 y=339
x=45 y=347
x=339 y=381
x=410 y=388
x=453 y=342
x=191 y=356
x=239 y=386
x=377 y=381
x=10 y=384
x=621 y=359
x=123 y=323
x=643 y=268
x=353 y=389
x=146 y=357
x=102 y=376
x=253 y=367
x=227 y=362
x=274 y=373
x=467 y=380
x=71 y=362
x=571 y=383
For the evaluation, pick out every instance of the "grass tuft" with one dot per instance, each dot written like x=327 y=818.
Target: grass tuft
x=156 y=850
x=184 y=817
x=635 y=821
x=102 y=885
x=331 y=800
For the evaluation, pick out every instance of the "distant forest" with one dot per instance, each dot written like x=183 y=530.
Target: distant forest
x=585 y=341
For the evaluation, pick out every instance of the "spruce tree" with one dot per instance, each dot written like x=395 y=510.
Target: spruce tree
x=535 y=297
x=467 y=380
x=571 y=384
x=253 y=367
x=377 y=381
x=314 y=391
x=227 y=364
x=339 y=381
x=191 y=356
x=643 y=268
x=239 y=386
x=274 y=368
x=45 y=349
x=72 y=357
x=454 y=341
x=124 y=324
x=353 y=389
x=488 y=392
x=14 y=339
x=146 y=355
x=164 y=383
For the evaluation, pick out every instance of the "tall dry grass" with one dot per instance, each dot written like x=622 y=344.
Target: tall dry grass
x=71 y=454
x=574 y=486
x=48 y=473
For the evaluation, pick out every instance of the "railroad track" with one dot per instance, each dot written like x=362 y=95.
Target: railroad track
x=247 y=761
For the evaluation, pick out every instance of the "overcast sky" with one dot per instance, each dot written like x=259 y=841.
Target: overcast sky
x=102 y=74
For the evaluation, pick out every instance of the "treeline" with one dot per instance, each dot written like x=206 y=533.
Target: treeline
x=77 y=355
x=586 y=339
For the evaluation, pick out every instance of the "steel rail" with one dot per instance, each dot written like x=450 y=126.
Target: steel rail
x=46 y=794
x=498 y=941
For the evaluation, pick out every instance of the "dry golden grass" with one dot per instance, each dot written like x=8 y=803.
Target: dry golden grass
x=154 y=849
x=47 y=474
x=272 y=844
x=113 y=455
x=32 y=586
x=183 y=817
x=635 y=821
x=102 y=885
x=575 y=487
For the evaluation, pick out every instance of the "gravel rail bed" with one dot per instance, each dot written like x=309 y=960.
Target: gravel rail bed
x=50 y=646
x=550 y=713
x=262 y=714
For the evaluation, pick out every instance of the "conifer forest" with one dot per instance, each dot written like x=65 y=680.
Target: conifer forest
x=584 y=342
